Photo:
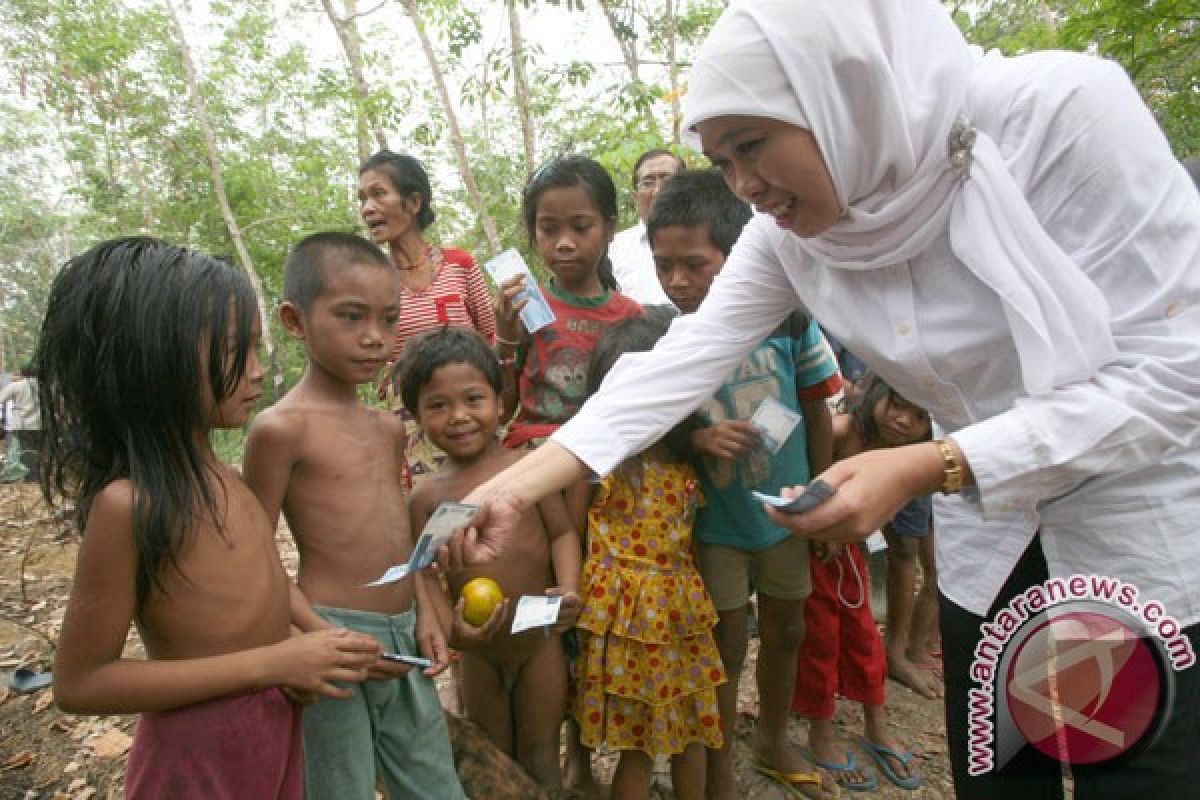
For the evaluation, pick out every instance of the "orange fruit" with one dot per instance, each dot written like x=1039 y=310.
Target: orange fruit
x=482 y=595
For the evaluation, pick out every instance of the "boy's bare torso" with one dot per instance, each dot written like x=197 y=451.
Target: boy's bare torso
x=230 y=591
x=523 y=568
x=345 y=503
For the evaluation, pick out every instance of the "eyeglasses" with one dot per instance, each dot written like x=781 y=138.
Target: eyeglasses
x=653 y=180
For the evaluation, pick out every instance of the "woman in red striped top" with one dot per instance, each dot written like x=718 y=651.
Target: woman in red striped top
x=439 y=285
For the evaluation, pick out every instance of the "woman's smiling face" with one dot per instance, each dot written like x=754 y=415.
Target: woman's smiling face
x=776 y=167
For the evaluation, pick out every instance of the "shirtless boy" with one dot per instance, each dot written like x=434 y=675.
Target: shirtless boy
x=333 y=466
x=515 y=686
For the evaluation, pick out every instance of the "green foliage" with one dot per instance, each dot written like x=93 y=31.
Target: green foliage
x=97 y=139
x=1156 y=41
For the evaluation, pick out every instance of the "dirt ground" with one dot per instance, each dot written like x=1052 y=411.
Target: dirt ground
x=47 y=754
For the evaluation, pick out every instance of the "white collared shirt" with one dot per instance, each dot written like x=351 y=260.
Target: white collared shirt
x=633 y=266
x=20 y=402
x=1108 y=469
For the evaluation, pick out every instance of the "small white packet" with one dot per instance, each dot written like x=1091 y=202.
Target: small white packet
x=535 y=611
x=876 y=542
x=448 y=518
x=536 y=314
x=775 y=422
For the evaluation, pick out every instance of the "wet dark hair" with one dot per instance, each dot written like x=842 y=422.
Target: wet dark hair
x=565 y=173
x=449 y=345
x=408 y=177
x=862 y=412
x=635 y=335
x=308 y=264
x=699 y=198
x=652 y=153
x=133 y=328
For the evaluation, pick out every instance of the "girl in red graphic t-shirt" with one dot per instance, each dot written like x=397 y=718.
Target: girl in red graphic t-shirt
x=570 y=210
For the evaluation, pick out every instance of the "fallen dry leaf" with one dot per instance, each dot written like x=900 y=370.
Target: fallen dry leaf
x=19 y=761
x=85 y=794
x=76 y=784
x=44 y=701
x=112 y=743
x=71 y=767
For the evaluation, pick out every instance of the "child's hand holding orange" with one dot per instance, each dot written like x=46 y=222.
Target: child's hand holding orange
x=479 y=613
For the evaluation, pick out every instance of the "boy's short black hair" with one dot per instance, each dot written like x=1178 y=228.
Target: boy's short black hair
x=695 y=198
x=310 y=260
x=423 y=355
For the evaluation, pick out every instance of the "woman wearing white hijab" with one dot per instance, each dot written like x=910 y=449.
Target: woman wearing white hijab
x=1010 y=244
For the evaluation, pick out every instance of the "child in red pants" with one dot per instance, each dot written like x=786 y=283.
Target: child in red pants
x=842 y=651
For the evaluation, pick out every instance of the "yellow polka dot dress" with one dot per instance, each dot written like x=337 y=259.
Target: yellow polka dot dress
x=648 y=669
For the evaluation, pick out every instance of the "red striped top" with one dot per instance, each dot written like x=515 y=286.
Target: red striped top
x=458 y=296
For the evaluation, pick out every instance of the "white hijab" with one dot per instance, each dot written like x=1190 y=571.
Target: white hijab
x=882 y=85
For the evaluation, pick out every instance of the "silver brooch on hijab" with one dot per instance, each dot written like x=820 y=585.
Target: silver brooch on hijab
x=959 y=142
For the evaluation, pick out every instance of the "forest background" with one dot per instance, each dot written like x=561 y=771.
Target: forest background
x=236 y=126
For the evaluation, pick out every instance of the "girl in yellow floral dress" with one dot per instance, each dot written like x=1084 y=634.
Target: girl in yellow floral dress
x=648 y=668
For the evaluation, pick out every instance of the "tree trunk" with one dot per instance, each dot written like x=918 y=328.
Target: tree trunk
x=625 y=41
x=347 y=33
x=135 y=163
x=456 y=137
x=218 y=180
x=673 y=73
x=521 y=85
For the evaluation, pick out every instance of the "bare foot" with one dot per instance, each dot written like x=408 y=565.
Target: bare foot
x=926 y=658
x=578 y=777
x=921 y=680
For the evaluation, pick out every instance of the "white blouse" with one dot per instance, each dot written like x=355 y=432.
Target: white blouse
x=1108 y=469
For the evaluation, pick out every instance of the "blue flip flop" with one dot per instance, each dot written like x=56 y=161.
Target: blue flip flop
x=882 y=755
x=869 y=784
x=25 y=680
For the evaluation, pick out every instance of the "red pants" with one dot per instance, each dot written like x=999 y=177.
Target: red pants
x=244 y=747
x=842 y=651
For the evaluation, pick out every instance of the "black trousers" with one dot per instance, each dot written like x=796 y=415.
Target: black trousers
x=1169 y=769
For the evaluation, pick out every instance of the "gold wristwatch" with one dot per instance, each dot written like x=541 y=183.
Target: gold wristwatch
x=952 y=471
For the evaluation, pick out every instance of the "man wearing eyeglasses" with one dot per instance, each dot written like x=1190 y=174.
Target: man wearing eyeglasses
x=633 y=263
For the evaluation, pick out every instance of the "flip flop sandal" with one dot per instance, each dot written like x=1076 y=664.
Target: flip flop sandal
x=882 y=754
x=868 y=784
x=24 y=680
x=792 y=781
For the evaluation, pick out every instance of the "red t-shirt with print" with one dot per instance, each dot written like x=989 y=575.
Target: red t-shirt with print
x=552 y=377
